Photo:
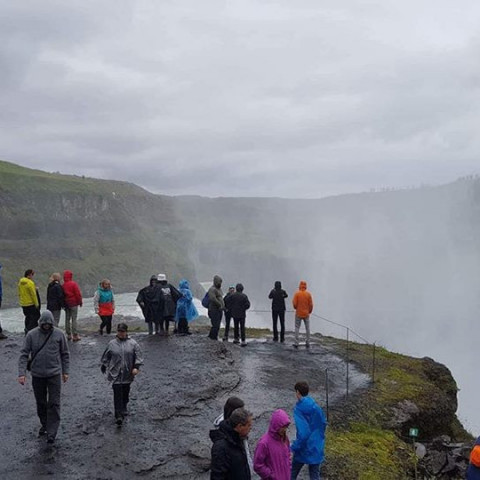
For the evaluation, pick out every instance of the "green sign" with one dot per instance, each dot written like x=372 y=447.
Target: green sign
x=413 y=432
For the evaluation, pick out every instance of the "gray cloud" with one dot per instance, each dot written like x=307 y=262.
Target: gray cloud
x=281 y=99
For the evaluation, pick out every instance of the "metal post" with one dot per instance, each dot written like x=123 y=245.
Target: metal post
x=326 y=389
x=348 y=360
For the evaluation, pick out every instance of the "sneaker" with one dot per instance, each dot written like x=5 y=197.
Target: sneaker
x=2 y=336
x=100 y=332
x=51 y=439
x=42 y=431
x=244 y=344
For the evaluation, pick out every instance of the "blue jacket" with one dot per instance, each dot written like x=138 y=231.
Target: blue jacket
x=310 y=423
x=473 y=472
x=185 y=307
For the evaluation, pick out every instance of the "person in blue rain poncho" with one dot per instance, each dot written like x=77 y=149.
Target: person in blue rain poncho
x=186 y=310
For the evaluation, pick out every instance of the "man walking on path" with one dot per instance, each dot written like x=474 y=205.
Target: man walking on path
x=29 y=300
x=73 y=300
x=50 y=359
x=2 y=335
x=278 y=296
x=216 y=306
x=55 y=297
x=122 y=360
x=303 y=305
x=310 y=423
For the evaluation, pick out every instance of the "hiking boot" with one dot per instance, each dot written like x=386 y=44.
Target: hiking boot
x=119 y=421
x=2 y=336
x=244 y=344
x=225 y=339
x=236 y=342
x=51 y=439
x=76 y=338
x=42 y=431
x=275 y=339
x=100 y=332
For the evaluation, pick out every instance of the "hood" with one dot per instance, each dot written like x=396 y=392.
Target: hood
x=67 y=275
x=279 y=420
x=306 y=405
x=24 y=281
x=45 y=317
x=303 y=285
x=278 y=285
x=217 y=281
x=184 y=284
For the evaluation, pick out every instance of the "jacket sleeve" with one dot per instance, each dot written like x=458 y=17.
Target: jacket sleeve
x=310 y=304
x=138 y=356
x=303 y=431
x=221 y=463
x=284 y=294
x=24 y=353
x=270 y=295
x=294 y=301
x=34 y=294
x=247 y=303
x=107 y=354
x=113 y=301
x=175 y=293
x=65 y=355
x=78 y=295
x=259 y=464
x=96 y=299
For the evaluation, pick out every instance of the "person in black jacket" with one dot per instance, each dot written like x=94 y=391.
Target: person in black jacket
x=228 y=313
x=151 y=302
x=278 y=296
x=170 y=298
x=229 y=458
x=55 y=298
x=239 y=304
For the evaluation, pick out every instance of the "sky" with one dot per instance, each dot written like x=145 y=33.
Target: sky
x=301 y=99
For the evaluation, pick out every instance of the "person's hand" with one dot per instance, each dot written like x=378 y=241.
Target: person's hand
x=65 y=377
x=103 y=368
x=22 y=379
x=135 y=371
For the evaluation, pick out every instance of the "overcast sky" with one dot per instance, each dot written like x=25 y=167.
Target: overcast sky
x=243 y=97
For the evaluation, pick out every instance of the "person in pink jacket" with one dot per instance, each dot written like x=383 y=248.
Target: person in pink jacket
x=272 y=455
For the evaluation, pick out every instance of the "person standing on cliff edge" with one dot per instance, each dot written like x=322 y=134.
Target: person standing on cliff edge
x=303 y=305
x=278 y=296
x=216 y=306
x=29 y=300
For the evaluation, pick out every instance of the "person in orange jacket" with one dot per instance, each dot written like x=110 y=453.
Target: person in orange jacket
x=303 y=305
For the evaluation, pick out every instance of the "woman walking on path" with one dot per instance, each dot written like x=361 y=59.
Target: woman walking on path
x=104 y=304
x=73 y=300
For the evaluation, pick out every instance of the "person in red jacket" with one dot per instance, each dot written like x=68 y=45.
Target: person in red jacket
x=73 y=300
x=303 y=305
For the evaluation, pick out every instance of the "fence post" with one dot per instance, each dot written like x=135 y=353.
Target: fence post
x=326 y=390
x=348 y=360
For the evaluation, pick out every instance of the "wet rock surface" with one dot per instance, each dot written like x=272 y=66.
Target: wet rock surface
x=180 y=391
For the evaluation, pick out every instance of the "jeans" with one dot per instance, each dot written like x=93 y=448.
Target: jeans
x=32 y=314
x=239 y=323
x=106 y=323
x=228 y=318
x=150 y=327
x=215 y=319
x=56 y=317
x=298 y=322
x=47 y=394
x=313 y=470
x=71 y=314
x=121 y=394
x=275 y=316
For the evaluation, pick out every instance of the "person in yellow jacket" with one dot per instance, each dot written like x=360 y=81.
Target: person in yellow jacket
x=303 y=305
x=29 y=300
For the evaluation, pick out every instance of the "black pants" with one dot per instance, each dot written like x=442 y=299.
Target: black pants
x=47 y=394
x=275 y=316
x=165 y=323
x=182 y=326
x=106 y=323
x=32 y=314
x=215 y=319
x=239 y=323
x=228 y=318
x=121 y=394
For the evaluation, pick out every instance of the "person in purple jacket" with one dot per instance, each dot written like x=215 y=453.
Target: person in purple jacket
x=272 y=455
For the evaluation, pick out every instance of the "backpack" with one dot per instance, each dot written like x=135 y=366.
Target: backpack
x=206 y=300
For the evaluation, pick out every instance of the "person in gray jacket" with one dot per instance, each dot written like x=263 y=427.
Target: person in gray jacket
x=50 y=359
x=216 y=306
x=121 y=361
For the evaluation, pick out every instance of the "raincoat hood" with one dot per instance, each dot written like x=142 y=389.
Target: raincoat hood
x=279 y=420
x=184 y=284
x=217 y=281
x=302 y=285
x=306 y=405
x=45 y=317
x=67 y=275
x=278 y=285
